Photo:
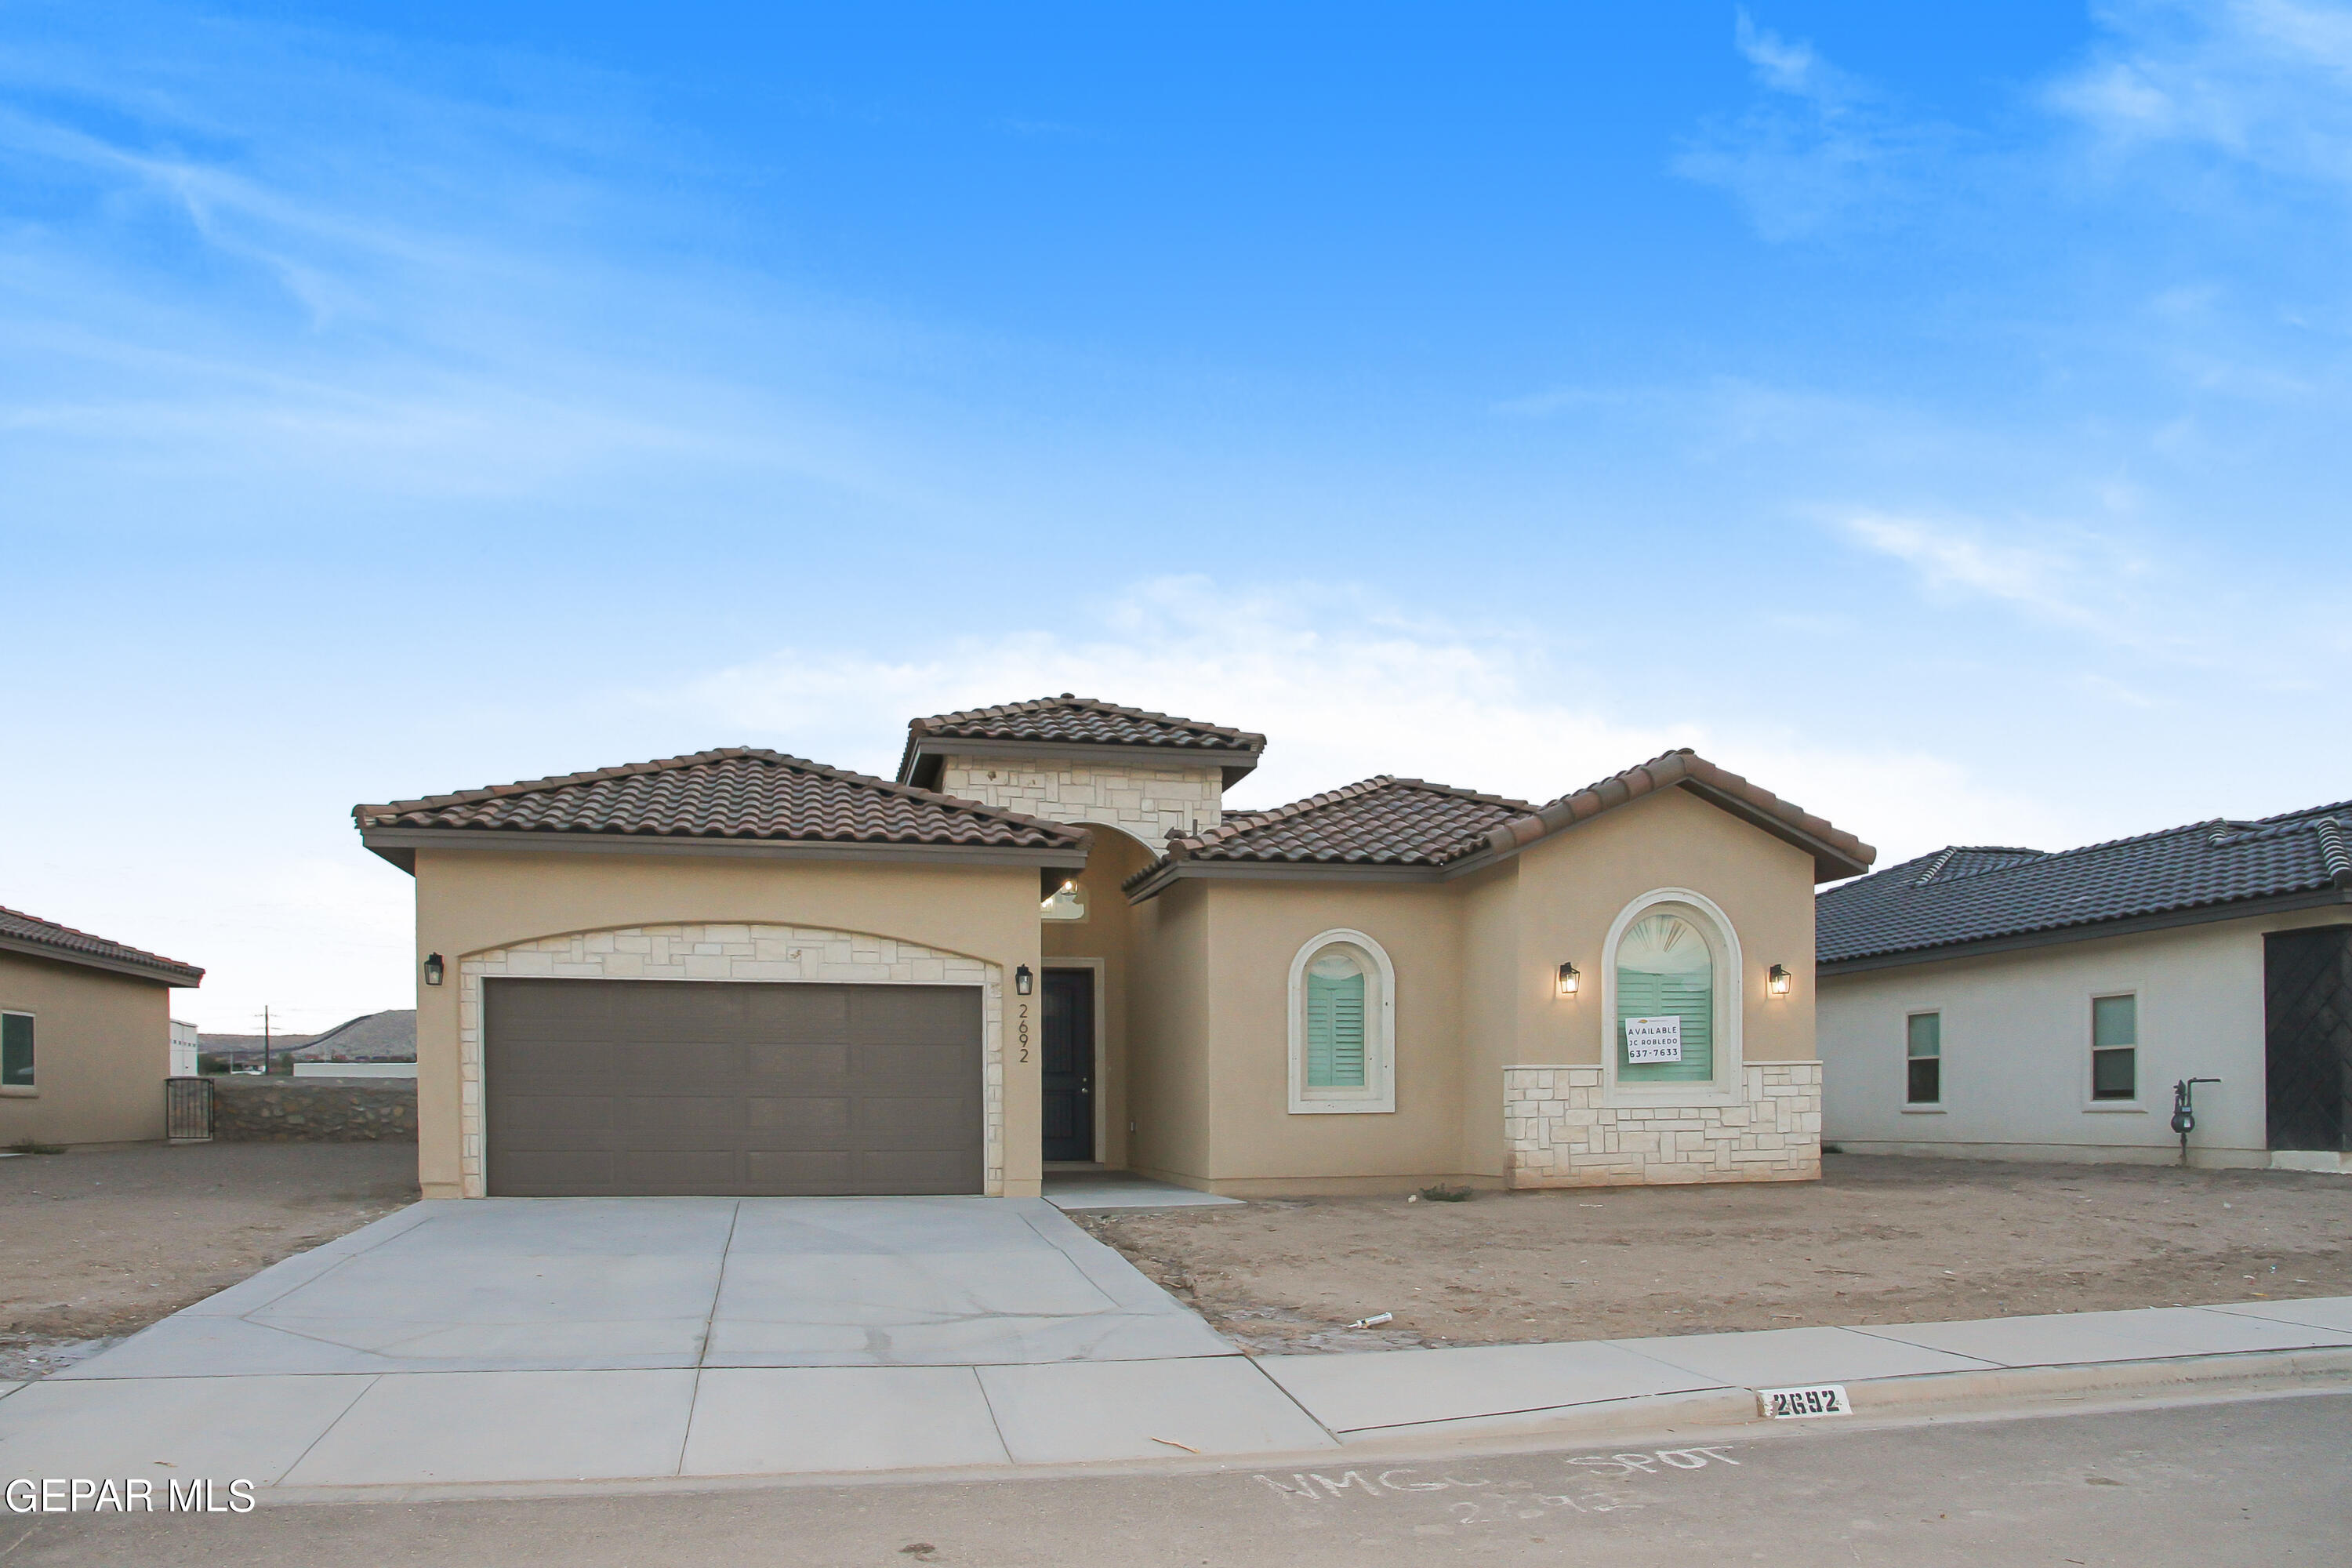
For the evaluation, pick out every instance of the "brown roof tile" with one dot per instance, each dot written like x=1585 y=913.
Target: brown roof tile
x=1389 y=821
x=1382 y=821
x=1073 y=720
x=26 y=932
x=740 y=793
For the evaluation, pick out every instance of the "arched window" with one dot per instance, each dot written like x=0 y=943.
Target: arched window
x=1342 y=1033
x=1675 y=997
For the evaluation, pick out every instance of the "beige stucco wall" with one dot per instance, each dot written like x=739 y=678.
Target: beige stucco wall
x=471 y=902
x=1105 y=937
x=1169 y=1013
x=1477 y=961
x=2017 y=1048
x=101 y=1049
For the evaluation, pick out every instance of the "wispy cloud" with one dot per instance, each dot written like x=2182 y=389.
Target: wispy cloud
x=2263 y=82
x=1821 y=149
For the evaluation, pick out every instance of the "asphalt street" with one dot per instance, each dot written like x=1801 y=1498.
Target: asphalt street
x=2253 y=1480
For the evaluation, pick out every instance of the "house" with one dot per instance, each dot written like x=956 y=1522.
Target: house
x=1997 y=1002
x=86 y=1035
x=1046 y=941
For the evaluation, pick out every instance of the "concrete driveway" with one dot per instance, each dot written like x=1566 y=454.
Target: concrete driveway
x=542 y=1284
x=578 y=1338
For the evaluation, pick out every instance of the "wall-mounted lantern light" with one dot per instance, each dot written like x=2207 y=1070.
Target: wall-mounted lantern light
x=1021 y=981
x=1570 y=980
x=431 y=969
x=1776 y=980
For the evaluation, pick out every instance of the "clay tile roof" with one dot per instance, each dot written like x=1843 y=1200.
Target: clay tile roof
x=741 y=793
x=22 y=932
x=1973 y=893
x=1382 y=821
x=1836 y=853
x=1387 y=821
x=1073 y=720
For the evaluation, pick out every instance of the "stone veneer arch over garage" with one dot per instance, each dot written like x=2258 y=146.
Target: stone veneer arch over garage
x=742 y=951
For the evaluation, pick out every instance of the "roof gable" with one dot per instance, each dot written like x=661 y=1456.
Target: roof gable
x=1067 y=723
x=739 y=794
x=1386 y=822
x=1960 y=896
x=21 y=932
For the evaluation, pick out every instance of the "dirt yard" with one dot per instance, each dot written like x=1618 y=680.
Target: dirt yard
x=95 y=1244
x=1877 y=1240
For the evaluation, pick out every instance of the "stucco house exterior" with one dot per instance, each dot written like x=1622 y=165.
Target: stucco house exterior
x=1046 y=942
x=1992 y=1001
x=86 y=1035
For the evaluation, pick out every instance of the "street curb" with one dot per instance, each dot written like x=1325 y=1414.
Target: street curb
x=1924 y=1394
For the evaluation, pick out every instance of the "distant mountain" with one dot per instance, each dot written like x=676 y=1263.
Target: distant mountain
x=388 y=1037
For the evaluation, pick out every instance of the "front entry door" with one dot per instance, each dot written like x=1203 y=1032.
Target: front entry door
x=2308 y=986
x=1069 y=1064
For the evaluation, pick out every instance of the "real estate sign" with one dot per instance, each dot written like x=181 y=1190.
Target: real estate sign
x=1654 y=1039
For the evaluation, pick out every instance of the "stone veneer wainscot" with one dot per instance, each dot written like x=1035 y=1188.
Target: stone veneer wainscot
x=1559 y=1130
x=726 y=952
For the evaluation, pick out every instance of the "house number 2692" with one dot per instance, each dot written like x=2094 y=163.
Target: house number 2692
x=1025 y=1031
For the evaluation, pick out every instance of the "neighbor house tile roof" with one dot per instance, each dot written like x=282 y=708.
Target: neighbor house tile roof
x=739 y=793
x=29 y=933
x=1971 y=894
x=1387 y=821
x=1382 y=821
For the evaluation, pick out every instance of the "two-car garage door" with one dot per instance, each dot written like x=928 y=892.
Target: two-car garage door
x=611 y=1088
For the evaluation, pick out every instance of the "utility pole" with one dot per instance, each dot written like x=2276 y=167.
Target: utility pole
x=264 y=1039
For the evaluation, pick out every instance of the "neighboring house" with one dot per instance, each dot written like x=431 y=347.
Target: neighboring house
x=2003 y=1002
x=740 y=971
x=86 y=1035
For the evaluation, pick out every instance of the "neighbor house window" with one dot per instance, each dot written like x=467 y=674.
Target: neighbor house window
x=1343 y=1028
x=1924 y=1046
x=1666 y=1000
x=2115 y=1047
x=15 y=1050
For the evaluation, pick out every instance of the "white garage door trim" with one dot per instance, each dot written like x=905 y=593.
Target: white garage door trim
x=730 y=953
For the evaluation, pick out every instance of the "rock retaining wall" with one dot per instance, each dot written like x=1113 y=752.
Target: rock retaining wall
x=256 y=1110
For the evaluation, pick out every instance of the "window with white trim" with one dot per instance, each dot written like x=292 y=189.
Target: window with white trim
x=1666 y=1000
x=15 y=1050
x=2115 y=1047
x=1342 y=1033
x=1923 y=1049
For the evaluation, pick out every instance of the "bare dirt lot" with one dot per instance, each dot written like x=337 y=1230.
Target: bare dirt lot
x=100 y=1243
x=1877 y=1240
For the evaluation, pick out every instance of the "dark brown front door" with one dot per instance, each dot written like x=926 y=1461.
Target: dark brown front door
x=1067 y=1064
x=620 y=1088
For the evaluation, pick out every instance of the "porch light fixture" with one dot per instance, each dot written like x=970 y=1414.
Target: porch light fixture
x=1022 y=979
x=1570 y=980
x=431 y=969
x=1776 y=980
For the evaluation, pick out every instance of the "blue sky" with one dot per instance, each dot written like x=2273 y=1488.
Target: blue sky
x=1939 y=418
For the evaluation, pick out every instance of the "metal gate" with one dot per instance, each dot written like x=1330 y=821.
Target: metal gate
x=187 y=1110
x=2307 y=998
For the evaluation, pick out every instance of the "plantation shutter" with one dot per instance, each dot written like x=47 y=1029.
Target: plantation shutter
x=1686 y=992
x=1335 y=1032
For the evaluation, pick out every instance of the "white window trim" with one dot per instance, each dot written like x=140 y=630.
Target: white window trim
x=2092 y=1104
x=25 y=1091
x=1378 y=1097
x=1726 y=1087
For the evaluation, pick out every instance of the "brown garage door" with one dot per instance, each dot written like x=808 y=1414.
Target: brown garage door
x=601 y=1088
